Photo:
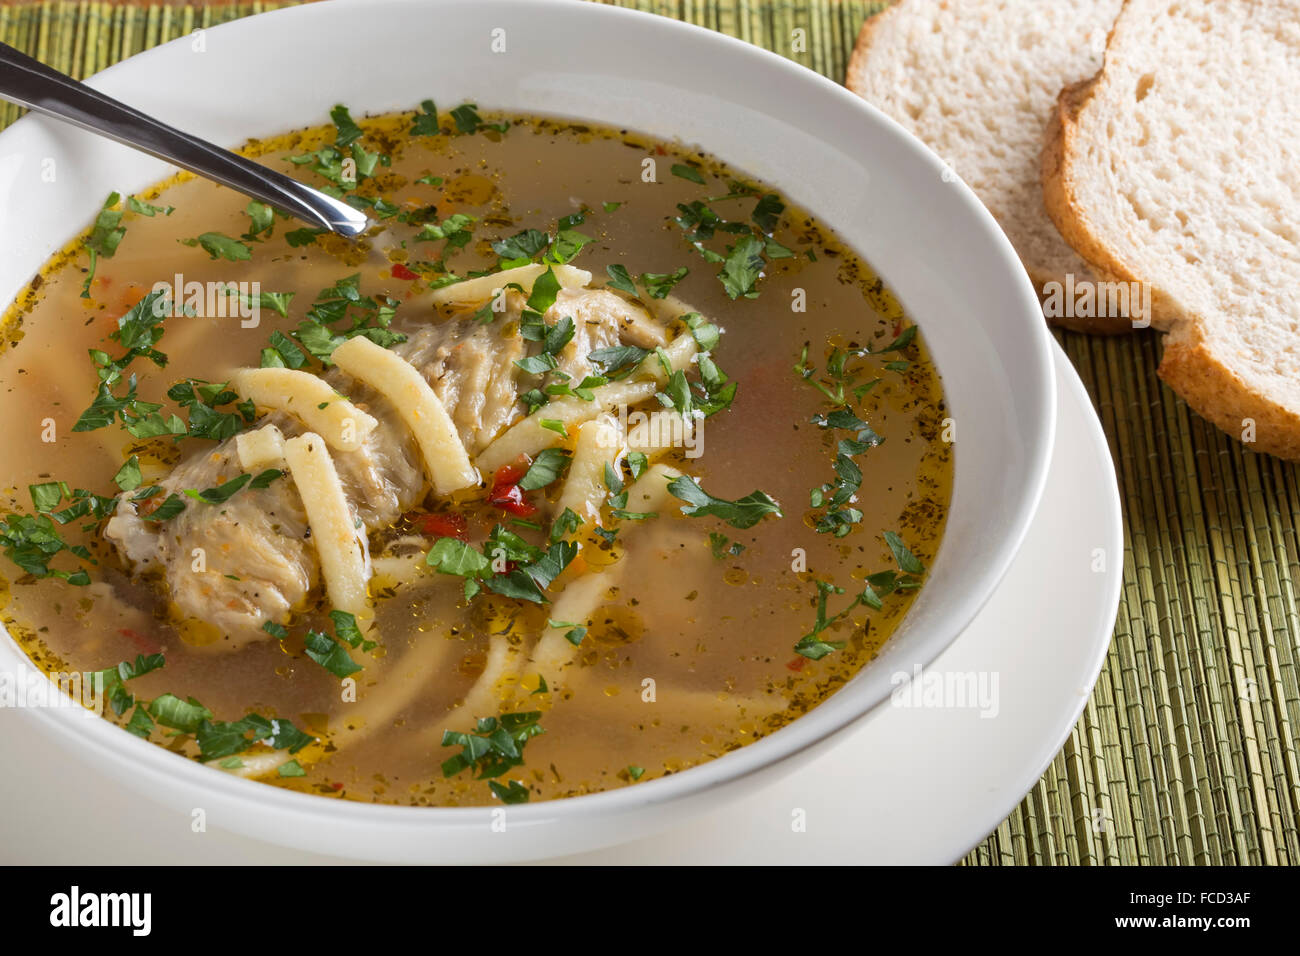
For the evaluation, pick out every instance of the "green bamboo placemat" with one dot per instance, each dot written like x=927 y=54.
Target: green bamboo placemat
x=1186 y=752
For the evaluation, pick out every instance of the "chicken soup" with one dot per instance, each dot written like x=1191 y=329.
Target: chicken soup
x=593 y=460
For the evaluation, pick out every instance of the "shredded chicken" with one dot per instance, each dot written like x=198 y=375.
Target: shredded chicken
x=250 y=560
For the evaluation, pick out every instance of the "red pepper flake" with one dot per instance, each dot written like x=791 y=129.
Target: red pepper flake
x=149 y=505
x=336 y=786
x=796 y=664
x=139 y=640
x=506 y=493
x=444 y=525
x=401 y=272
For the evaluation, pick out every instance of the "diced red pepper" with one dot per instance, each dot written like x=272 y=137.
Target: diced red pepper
x=149 y=505
x=139 y=640
x=796 y=664
x=447 y=525
x=506 y=493
x=401 y=272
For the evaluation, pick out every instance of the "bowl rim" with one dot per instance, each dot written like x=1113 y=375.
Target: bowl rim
x=801 y=734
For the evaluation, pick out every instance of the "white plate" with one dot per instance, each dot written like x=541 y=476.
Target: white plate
x=908 y=786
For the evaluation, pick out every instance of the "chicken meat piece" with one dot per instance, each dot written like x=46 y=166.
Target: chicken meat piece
x=237 y=565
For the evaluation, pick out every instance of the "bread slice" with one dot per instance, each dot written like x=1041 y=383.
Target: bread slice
x=977 y=81
x=1178 y=166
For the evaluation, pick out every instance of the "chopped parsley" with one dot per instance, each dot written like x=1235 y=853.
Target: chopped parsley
x=425 y=122
x=743 y=513
x=220 y=246
x=218 y=739
x=32 y=541
x=346 y=131
x=143 y=208
x=688 y=173
x=742 y=268
x=573 y=632
x=112 y=681
x=656 y=284
x=341 y=312
x=840 y=377
x=568 y=522
x=723 y=547
x=225 y=491
x=620 y=279
x=493 y=749
x=104 y=238
x=546 y=468
x=283 y=352
x=615 y=361
x=534 y=567
x=838 y=519
x=813 y=645
x=533 y=245
x=330 y=652
x=261 y=221
x=468 y=121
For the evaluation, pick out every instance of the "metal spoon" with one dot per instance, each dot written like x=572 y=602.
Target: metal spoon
x=32 y=84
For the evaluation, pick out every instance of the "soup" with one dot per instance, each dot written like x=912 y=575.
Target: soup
x=594 y=460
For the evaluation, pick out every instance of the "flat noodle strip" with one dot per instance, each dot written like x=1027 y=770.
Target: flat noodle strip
x=484 y=698
x=381 y=704
x=341 y=547
x=700 y=710
x=662 y=431
x=650 y=491
x=257 y=765
x=309 y=399
x=376 y=708
x=528 y=437
x=599 y=444
x=393 y=571
x=578 y=602
x=479 y=290
x=679 y=353
x=260 y=449
x=575 y=605
x=669 y=309
x=445 y=459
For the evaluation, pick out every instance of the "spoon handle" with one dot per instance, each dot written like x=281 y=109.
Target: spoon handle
x=32 y=84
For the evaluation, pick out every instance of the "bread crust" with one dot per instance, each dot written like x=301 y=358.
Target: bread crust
x=1064 y=211
x=1188 y=364
x=1219 y=396
x=857 y=59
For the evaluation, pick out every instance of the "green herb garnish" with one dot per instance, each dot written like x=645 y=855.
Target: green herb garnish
x=493 y=749
x=743 y=513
